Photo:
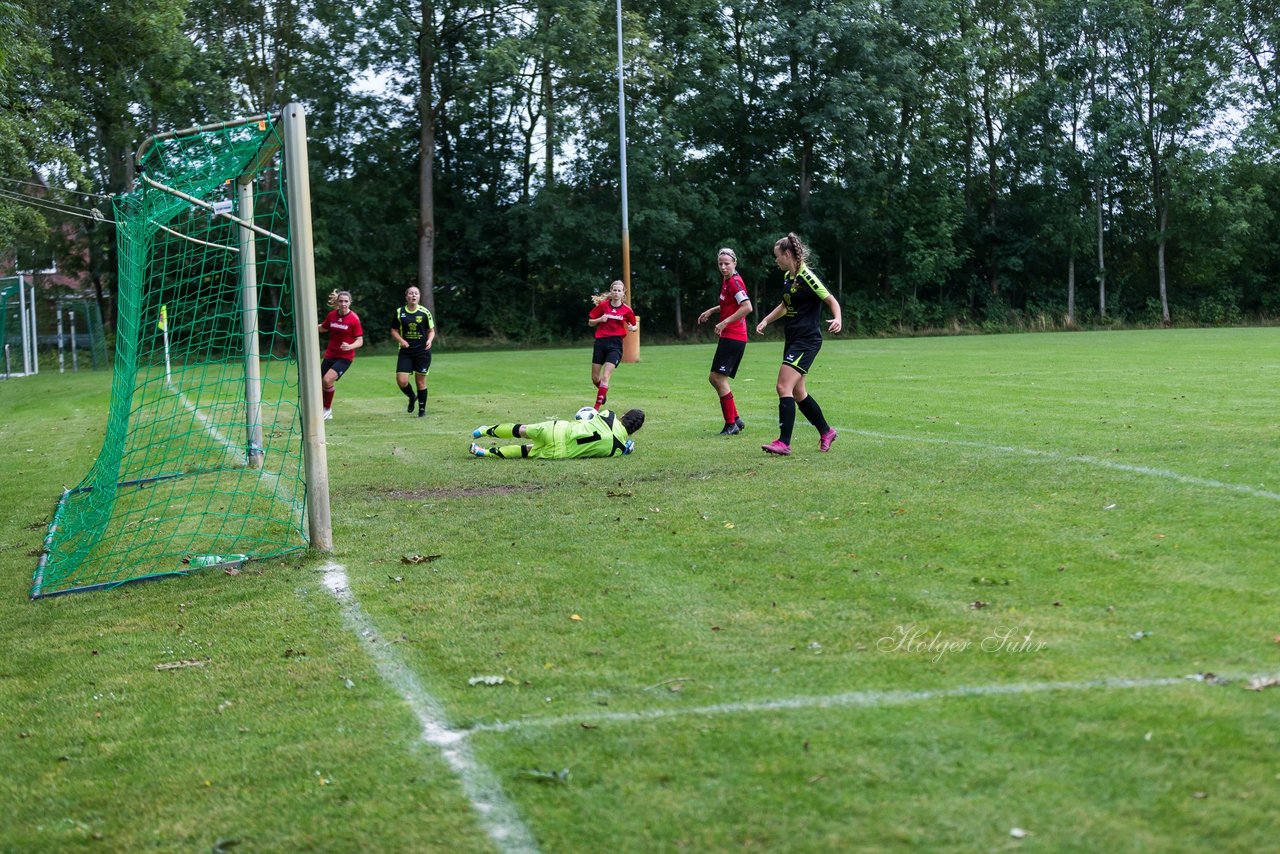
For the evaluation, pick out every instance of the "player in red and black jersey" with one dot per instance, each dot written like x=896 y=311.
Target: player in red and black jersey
x=612 y=320
x=414 y=330
x=734 y=306
x=803 y=296
x=345 y=337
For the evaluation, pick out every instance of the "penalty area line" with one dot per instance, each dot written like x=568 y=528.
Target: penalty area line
x=1166 y=474
x=498 y=815
x=240 y=458
x=848 y=700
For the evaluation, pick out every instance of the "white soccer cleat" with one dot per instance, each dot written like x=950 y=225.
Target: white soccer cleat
x=478 y=451
x=328 y=415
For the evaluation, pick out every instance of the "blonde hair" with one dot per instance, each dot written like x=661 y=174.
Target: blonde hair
x=596 y=299
x=727 y=251
x=333 y=297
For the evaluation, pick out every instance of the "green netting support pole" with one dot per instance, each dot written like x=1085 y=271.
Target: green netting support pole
x=249 y=322
x=302 y=258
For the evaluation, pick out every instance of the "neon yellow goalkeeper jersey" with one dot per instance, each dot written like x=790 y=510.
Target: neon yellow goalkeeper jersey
x=602 y=436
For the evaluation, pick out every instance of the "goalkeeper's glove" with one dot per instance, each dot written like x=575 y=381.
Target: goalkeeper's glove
x=628 y=446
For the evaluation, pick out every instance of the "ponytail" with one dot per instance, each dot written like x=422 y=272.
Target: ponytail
x=793 y=245
x=596 y=299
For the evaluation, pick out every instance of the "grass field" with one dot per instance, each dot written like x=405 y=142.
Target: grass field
x=968 y=627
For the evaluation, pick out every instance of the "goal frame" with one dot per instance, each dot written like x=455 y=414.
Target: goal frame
x=291 y=122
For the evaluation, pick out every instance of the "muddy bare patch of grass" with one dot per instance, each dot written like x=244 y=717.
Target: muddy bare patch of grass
x=464 y=492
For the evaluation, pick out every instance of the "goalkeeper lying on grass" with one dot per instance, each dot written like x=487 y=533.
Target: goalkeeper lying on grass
x=602 y=434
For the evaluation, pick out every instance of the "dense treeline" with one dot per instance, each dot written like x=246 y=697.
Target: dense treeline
x=972 y=162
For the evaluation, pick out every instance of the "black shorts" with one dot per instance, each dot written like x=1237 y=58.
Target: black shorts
x=800 y=354
x=338 y=366
x=728 y=357
x=414 y=361
x=607 y=349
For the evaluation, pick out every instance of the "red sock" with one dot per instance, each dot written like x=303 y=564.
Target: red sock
x=328 y=398
x=601 y=395
x=728 y=408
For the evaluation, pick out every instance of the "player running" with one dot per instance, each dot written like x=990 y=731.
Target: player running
x=802 y=298
x=612 y=320
x=345 y=337
x=414 y=330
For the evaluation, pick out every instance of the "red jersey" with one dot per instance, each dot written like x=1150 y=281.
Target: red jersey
x=614 y=328
x=342 y=330
x=733 y=293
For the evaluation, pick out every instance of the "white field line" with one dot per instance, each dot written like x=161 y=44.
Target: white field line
x=852 y=699
x=271 y=478
x=497 y=814
x=485 y=794
x=212 y=430
x=1166 y=474
x=868 y=699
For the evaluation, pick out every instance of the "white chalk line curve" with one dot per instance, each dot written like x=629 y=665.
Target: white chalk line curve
x=238 y=455
x=497 y=814
x=851 y=699
x=1166 y=474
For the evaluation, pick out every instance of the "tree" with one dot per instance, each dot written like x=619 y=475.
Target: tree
x=32 y=117
x=1252 y=29
x=253 y=46
x=125 y=70
x=1171 y=66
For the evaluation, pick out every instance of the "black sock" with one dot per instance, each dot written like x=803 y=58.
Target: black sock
x=811 y=410
x=786 y=419
x=422 y=397
x=407 y=391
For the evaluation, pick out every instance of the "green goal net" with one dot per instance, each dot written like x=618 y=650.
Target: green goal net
x=213 y=452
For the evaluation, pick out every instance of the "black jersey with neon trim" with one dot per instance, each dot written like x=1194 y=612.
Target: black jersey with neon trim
x=803 y=294
x=413 y=326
